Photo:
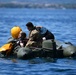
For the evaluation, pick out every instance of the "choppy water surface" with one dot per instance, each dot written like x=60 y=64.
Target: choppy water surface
x=62 y=23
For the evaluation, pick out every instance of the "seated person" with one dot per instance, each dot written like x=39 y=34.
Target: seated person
x=22 y=40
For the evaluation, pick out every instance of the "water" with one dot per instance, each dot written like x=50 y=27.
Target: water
x=62 y=23
x=41 y=1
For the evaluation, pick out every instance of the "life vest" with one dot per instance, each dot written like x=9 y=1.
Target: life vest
x=7 y=48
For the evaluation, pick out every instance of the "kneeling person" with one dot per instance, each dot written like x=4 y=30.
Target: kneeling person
x=34 y=36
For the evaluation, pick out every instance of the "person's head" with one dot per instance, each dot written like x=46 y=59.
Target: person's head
x=30 y=26
x=22 y=35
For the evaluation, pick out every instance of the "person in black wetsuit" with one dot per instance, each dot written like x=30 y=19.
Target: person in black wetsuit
x=45 y=33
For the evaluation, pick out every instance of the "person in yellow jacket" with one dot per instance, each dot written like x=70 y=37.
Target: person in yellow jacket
x=34 y=36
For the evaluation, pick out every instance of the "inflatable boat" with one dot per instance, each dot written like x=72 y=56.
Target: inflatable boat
x=50 y=48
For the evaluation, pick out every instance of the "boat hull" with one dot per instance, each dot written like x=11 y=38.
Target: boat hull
x=52 y=49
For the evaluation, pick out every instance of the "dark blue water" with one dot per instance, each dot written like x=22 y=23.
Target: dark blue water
x=62 y=23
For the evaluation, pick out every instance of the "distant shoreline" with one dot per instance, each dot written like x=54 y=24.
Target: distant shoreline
x=37 y=5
